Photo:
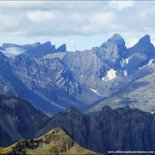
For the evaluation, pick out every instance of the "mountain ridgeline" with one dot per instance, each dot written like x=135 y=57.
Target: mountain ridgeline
x=56 y=141
x=109 y=130
x=53 y=79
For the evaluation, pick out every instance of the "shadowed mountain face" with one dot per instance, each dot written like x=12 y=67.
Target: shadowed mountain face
x=53 y=79
x=119 y=129
x=47 y=83
x=18 y=120
x=57 y=141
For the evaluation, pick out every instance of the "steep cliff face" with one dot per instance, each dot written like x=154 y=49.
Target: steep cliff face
x=119 y=129
x=54 y=79
x=139 y=94
x=10 y=84
x=51 y=80
x=46 y=83
x=112 y=69
x=18 y=120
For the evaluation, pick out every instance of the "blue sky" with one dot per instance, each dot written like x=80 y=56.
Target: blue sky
x=81 y=25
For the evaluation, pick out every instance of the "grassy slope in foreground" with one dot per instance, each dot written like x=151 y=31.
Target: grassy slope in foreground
x=57 y=141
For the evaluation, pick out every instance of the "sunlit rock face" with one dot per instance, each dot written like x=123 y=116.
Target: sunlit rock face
x=53 y=79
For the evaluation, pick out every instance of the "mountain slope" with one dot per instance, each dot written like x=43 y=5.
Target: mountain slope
x=57 y=141
x=139 y=94
x=120 y=129
x=10 y=84
x=18 y=120
x=52 y=81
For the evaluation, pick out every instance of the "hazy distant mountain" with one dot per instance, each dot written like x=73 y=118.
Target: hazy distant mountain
x=62 y=48
x=13 y=49
x=46 y=83
x=39 y=51
x=54 y=79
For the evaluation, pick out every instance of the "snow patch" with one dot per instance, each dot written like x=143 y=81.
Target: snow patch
x=152 y=112
x=12 y=51
x=59 y=55
x=124 y=62
x=125 y=73
x=95 y=91
x=111 y=74
x=150 y=62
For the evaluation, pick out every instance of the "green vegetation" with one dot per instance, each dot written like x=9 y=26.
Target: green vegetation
x=55 y=142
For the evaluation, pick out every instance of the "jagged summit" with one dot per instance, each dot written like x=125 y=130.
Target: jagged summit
x=62 y=48
x=115 y=39
x=106 y=109
x=72 y=110
x=144 y=42
x=145 y=39
x=40 y=51
x=143 y=46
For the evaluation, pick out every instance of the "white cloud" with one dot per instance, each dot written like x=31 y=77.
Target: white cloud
x=119 y=5
x=98 y=22
x=62 y=19
x=40 y=16
x=102 y=18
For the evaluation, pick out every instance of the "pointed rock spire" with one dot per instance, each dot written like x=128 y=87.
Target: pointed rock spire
x=62 y=48
x=115 y=39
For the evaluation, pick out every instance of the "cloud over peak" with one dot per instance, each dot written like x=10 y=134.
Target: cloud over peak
x=76 y=18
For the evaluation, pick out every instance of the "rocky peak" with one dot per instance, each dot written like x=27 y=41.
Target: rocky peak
x=62 y=48
x=40 y=51
x=115 y=39
x=144 y=46
x=106 y=109
x=72 y=110
x=145 y=39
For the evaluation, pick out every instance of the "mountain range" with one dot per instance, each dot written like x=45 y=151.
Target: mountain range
x=101 y=98
x=53 y=79
x=109 y=130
